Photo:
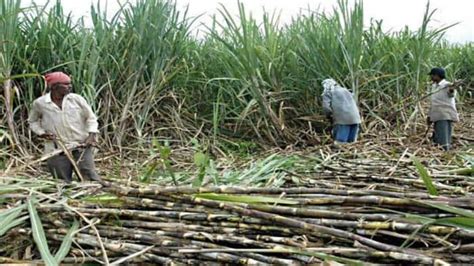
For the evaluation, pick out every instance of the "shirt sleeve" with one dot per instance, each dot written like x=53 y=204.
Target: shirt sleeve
x=92 y=126
x=446 y=86
x=34 y=119
x=327 y=98
x=450 y=94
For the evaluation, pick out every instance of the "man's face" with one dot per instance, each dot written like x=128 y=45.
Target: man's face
x=435 y=78
x=62 y=89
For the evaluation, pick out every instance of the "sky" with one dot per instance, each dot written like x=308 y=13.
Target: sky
x=395 y=14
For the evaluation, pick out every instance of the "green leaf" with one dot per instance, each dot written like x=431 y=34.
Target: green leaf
x=8 y=212
x=409 y=241
x=67 y=242
x=466 y=222
x=201 y=159
x=149 y=172
x=13 y=224
x=425 y=177
x=106 y=198
x=19 y=187
x=195 y=142
x=4 y=135
x=461 y=222
x=469 y=159
x=457 y=222
x=200 y=178
x=38 y=234
x=165 y=152
x=8 y=219
x=417 y=218
x=244 y=199
x=459 y=171
x=450 y=209
x=19 y=76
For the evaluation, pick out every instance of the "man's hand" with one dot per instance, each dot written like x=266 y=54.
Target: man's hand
x=454 y=85
x=451 y=88
x=91 y=140
x=48 y=136
x=329 y=117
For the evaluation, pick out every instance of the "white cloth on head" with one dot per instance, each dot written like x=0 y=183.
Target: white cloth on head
x=339 y=103
x=71 y=124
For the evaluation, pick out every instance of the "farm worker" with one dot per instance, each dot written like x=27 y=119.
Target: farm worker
x=340 y=107
x=62 y=116
x=443 y=108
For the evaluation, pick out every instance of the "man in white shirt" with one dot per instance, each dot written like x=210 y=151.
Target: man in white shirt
x=443 y=108
x=65 y=117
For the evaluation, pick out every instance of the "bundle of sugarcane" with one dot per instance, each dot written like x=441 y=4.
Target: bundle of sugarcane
x=398 y=175
x=135 y=223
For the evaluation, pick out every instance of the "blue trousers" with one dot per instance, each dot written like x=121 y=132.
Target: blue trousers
x=443 y=130
x=345 y=133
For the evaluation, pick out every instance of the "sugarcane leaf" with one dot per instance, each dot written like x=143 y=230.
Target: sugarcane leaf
x=8 y=219
x=19 y=187
x=4 y=135
x=450 y=209
x=469 y=159
x=19 y=76
x=425 y=177
x=201 y=159
x=408 y=241
x=457 y=222
x=38 y=234
x=245 y=199
x=461 y=222
x=165 y=152
x=149 y=172
x=199 y=178
x=106 y=198
x=13 y=224
x=67 y=242
x=460 y=171
x=8 y=212
x=466 y=222
x=417 y=218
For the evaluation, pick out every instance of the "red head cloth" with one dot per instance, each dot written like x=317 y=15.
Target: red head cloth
x=57 y=77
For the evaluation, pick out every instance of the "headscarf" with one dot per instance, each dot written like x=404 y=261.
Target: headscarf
x=56 y=77
x=329 y=84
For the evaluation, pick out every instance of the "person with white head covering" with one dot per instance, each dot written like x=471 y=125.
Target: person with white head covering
x=339 y=105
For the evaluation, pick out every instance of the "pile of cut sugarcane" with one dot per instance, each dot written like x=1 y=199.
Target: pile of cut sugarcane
x=349 y=207
x=126 y=222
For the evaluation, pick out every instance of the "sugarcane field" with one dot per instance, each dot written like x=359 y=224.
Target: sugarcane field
x=153 y=134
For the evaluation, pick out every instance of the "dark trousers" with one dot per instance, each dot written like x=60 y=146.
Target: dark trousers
x=61 y=167
x=443 y=130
